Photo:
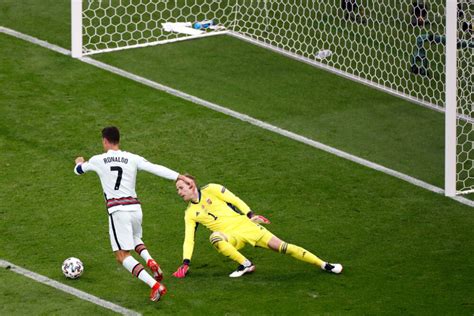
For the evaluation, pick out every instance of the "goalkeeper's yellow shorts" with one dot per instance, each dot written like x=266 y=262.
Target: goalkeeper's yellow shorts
x=252 y=234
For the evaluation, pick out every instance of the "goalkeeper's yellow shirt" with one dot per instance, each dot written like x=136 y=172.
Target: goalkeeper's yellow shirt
x=218 y=209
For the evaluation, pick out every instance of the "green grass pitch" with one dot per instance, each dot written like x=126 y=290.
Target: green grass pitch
x=405 y=250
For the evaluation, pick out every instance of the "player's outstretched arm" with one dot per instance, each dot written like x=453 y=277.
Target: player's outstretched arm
x=188 y=246
x=157 y=170
x=163 y=171
x=83 y=166
x=229 y=197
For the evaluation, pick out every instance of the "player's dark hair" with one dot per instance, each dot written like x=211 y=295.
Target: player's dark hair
x=112 y=134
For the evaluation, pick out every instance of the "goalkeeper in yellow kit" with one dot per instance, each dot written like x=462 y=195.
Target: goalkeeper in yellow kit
x=233 y=225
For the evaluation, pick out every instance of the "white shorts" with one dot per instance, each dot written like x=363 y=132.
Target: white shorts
x=125 y=229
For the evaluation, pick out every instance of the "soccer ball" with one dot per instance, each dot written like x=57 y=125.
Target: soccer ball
x=72 y=268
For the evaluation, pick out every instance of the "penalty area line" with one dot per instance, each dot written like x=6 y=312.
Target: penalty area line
x=67 y=289
x=239 y=116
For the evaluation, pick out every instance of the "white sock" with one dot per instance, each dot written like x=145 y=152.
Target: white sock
x=145 y=255
x=247 y=263
x=143 y=252
x=136 y=268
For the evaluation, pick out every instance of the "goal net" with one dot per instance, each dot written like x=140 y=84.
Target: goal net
x=396 y=46
x=110 y=25
x=465 y=99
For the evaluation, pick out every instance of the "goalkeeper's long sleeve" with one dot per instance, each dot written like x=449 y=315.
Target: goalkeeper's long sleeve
x=190 y=231
x=224 y=194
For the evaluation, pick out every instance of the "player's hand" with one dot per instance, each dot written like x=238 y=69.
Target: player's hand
x=187 y=180
x=259 y=219
x=79 y=160
x=182 y=270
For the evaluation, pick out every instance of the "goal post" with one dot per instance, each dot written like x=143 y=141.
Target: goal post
x=464 y=107
x=421 y=51
x=451 y=93
x=76 y=28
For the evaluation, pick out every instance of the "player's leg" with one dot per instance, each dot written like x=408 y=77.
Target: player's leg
x=140 y=247
x=137 y=270
x=134 y=267
x=121 y=238
x=228 y=246
x=270 y=241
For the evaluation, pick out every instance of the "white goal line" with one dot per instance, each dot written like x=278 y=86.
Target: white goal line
x=67 y=289
x=240 y=116
x=174 y=40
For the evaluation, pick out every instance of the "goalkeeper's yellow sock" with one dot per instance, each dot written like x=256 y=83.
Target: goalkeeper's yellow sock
x=300 y=254
x=228 y=250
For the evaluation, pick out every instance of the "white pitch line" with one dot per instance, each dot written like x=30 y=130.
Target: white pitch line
x=34 y=40
x=240 y=116
x=67 y=289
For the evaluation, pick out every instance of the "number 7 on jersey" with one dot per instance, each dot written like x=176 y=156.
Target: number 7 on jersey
x=119 y=176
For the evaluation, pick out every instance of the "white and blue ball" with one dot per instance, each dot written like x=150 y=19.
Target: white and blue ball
x=72 y=268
